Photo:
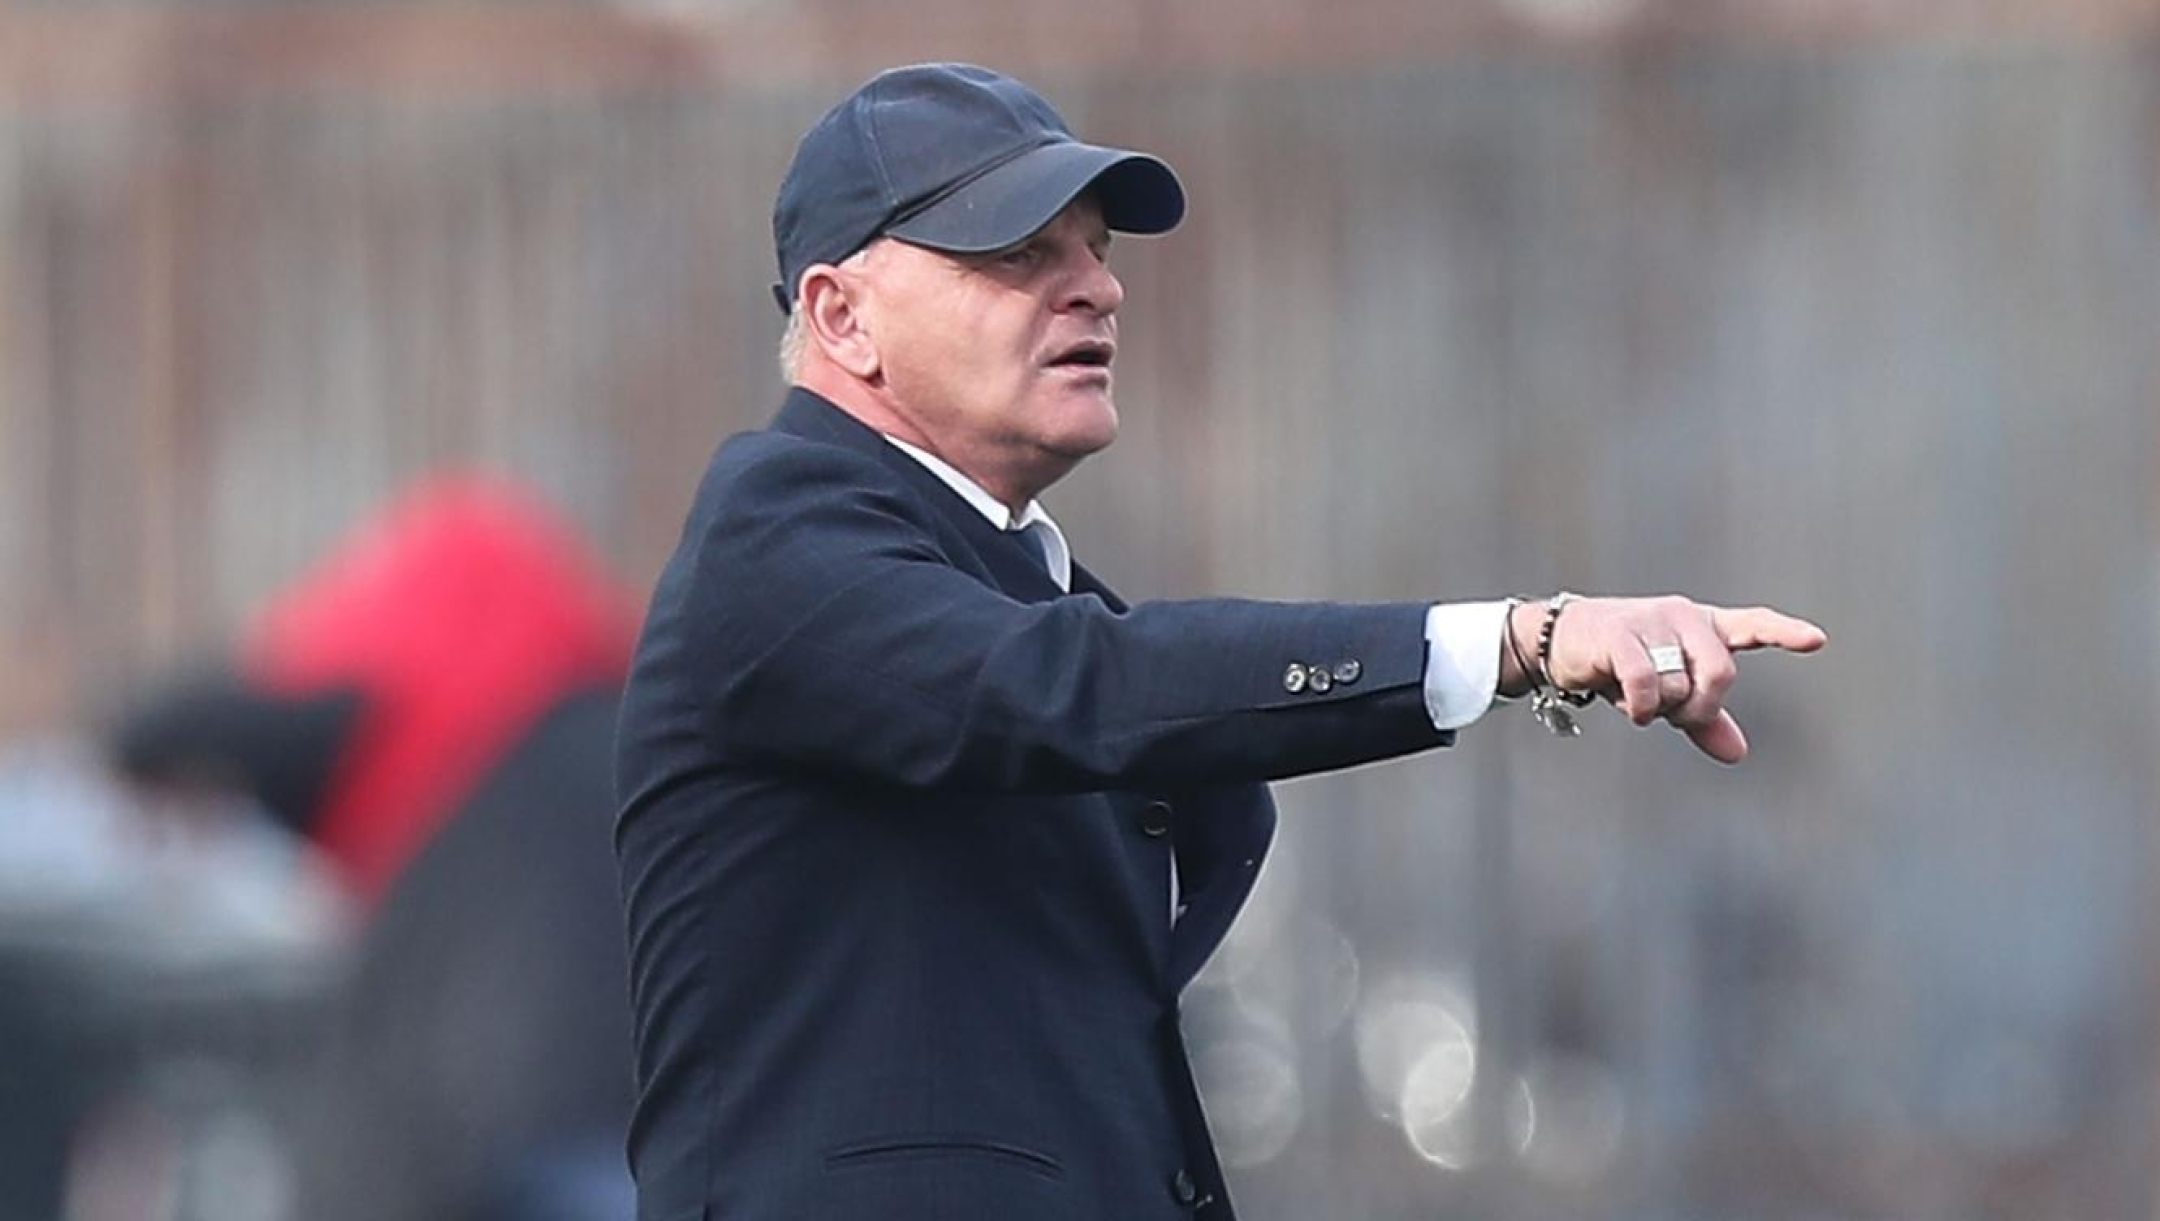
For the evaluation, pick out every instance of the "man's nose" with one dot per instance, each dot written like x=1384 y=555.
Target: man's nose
x=1093 y=288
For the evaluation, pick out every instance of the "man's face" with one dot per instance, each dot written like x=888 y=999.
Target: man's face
x=1002 y=361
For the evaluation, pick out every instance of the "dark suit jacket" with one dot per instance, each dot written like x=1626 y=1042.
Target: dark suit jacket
x=896 y=837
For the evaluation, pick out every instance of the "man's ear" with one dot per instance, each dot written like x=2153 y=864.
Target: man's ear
x=830 y=312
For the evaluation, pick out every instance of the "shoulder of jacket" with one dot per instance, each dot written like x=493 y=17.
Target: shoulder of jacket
x=760 y=464
x=775 y=477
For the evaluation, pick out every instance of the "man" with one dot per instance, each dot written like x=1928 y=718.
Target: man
x=923 y=828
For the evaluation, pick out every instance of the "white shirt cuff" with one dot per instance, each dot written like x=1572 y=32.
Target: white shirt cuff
x=1462 y=660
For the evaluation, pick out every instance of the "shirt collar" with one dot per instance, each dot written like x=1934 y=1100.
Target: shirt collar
x=1057 y=555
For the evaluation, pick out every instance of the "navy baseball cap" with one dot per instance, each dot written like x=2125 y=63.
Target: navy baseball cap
x=956 y=158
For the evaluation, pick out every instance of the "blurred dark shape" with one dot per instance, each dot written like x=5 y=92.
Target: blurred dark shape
x=434 y=707
x=215 y=732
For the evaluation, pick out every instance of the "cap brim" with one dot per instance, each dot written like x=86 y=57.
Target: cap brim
x=1137 y=193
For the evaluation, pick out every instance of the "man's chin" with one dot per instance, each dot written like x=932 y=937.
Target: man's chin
x=1081 y=443
x=1081 y=424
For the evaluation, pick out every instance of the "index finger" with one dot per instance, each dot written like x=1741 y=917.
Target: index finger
x=1759 y=627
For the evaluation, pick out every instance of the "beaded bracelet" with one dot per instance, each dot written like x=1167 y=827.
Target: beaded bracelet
x=1549 y=703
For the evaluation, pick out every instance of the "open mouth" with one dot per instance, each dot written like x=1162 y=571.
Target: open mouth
x=1091 y=354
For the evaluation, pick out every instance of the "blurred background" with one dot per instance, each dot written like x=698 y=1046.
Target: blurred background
x=1851 y=306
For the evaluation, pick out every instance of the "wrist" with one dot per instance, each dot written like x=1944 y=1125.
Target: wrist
x=1518 y=640
x=1528 y=668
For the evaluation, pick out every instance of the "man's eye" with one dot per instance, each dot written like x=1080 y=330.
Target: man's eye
x=1018 y=256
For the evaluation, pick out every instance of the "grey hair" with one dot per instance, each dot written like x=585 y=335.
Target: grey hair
x=793 y=343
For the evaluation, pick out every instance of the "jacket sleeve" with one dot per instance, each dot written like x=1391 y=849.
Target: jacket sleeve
x=815 y=622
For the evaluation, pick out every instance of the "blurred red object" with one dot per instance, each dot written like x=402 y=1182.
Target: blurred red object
x=460 y=614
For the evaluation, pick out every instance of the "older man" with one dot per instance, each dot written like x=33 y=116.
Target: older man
x=924 y=829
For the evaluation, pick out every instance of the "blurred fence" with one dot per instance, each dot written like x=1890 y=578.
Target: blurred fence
x=1867 y=329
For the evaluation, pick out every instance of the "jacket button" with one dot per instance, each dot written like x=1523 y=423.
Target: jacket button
x=1318 y=680
x=1155 y=819
x=1183 y=1189
x=1293 y=679
x=1347 y=672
